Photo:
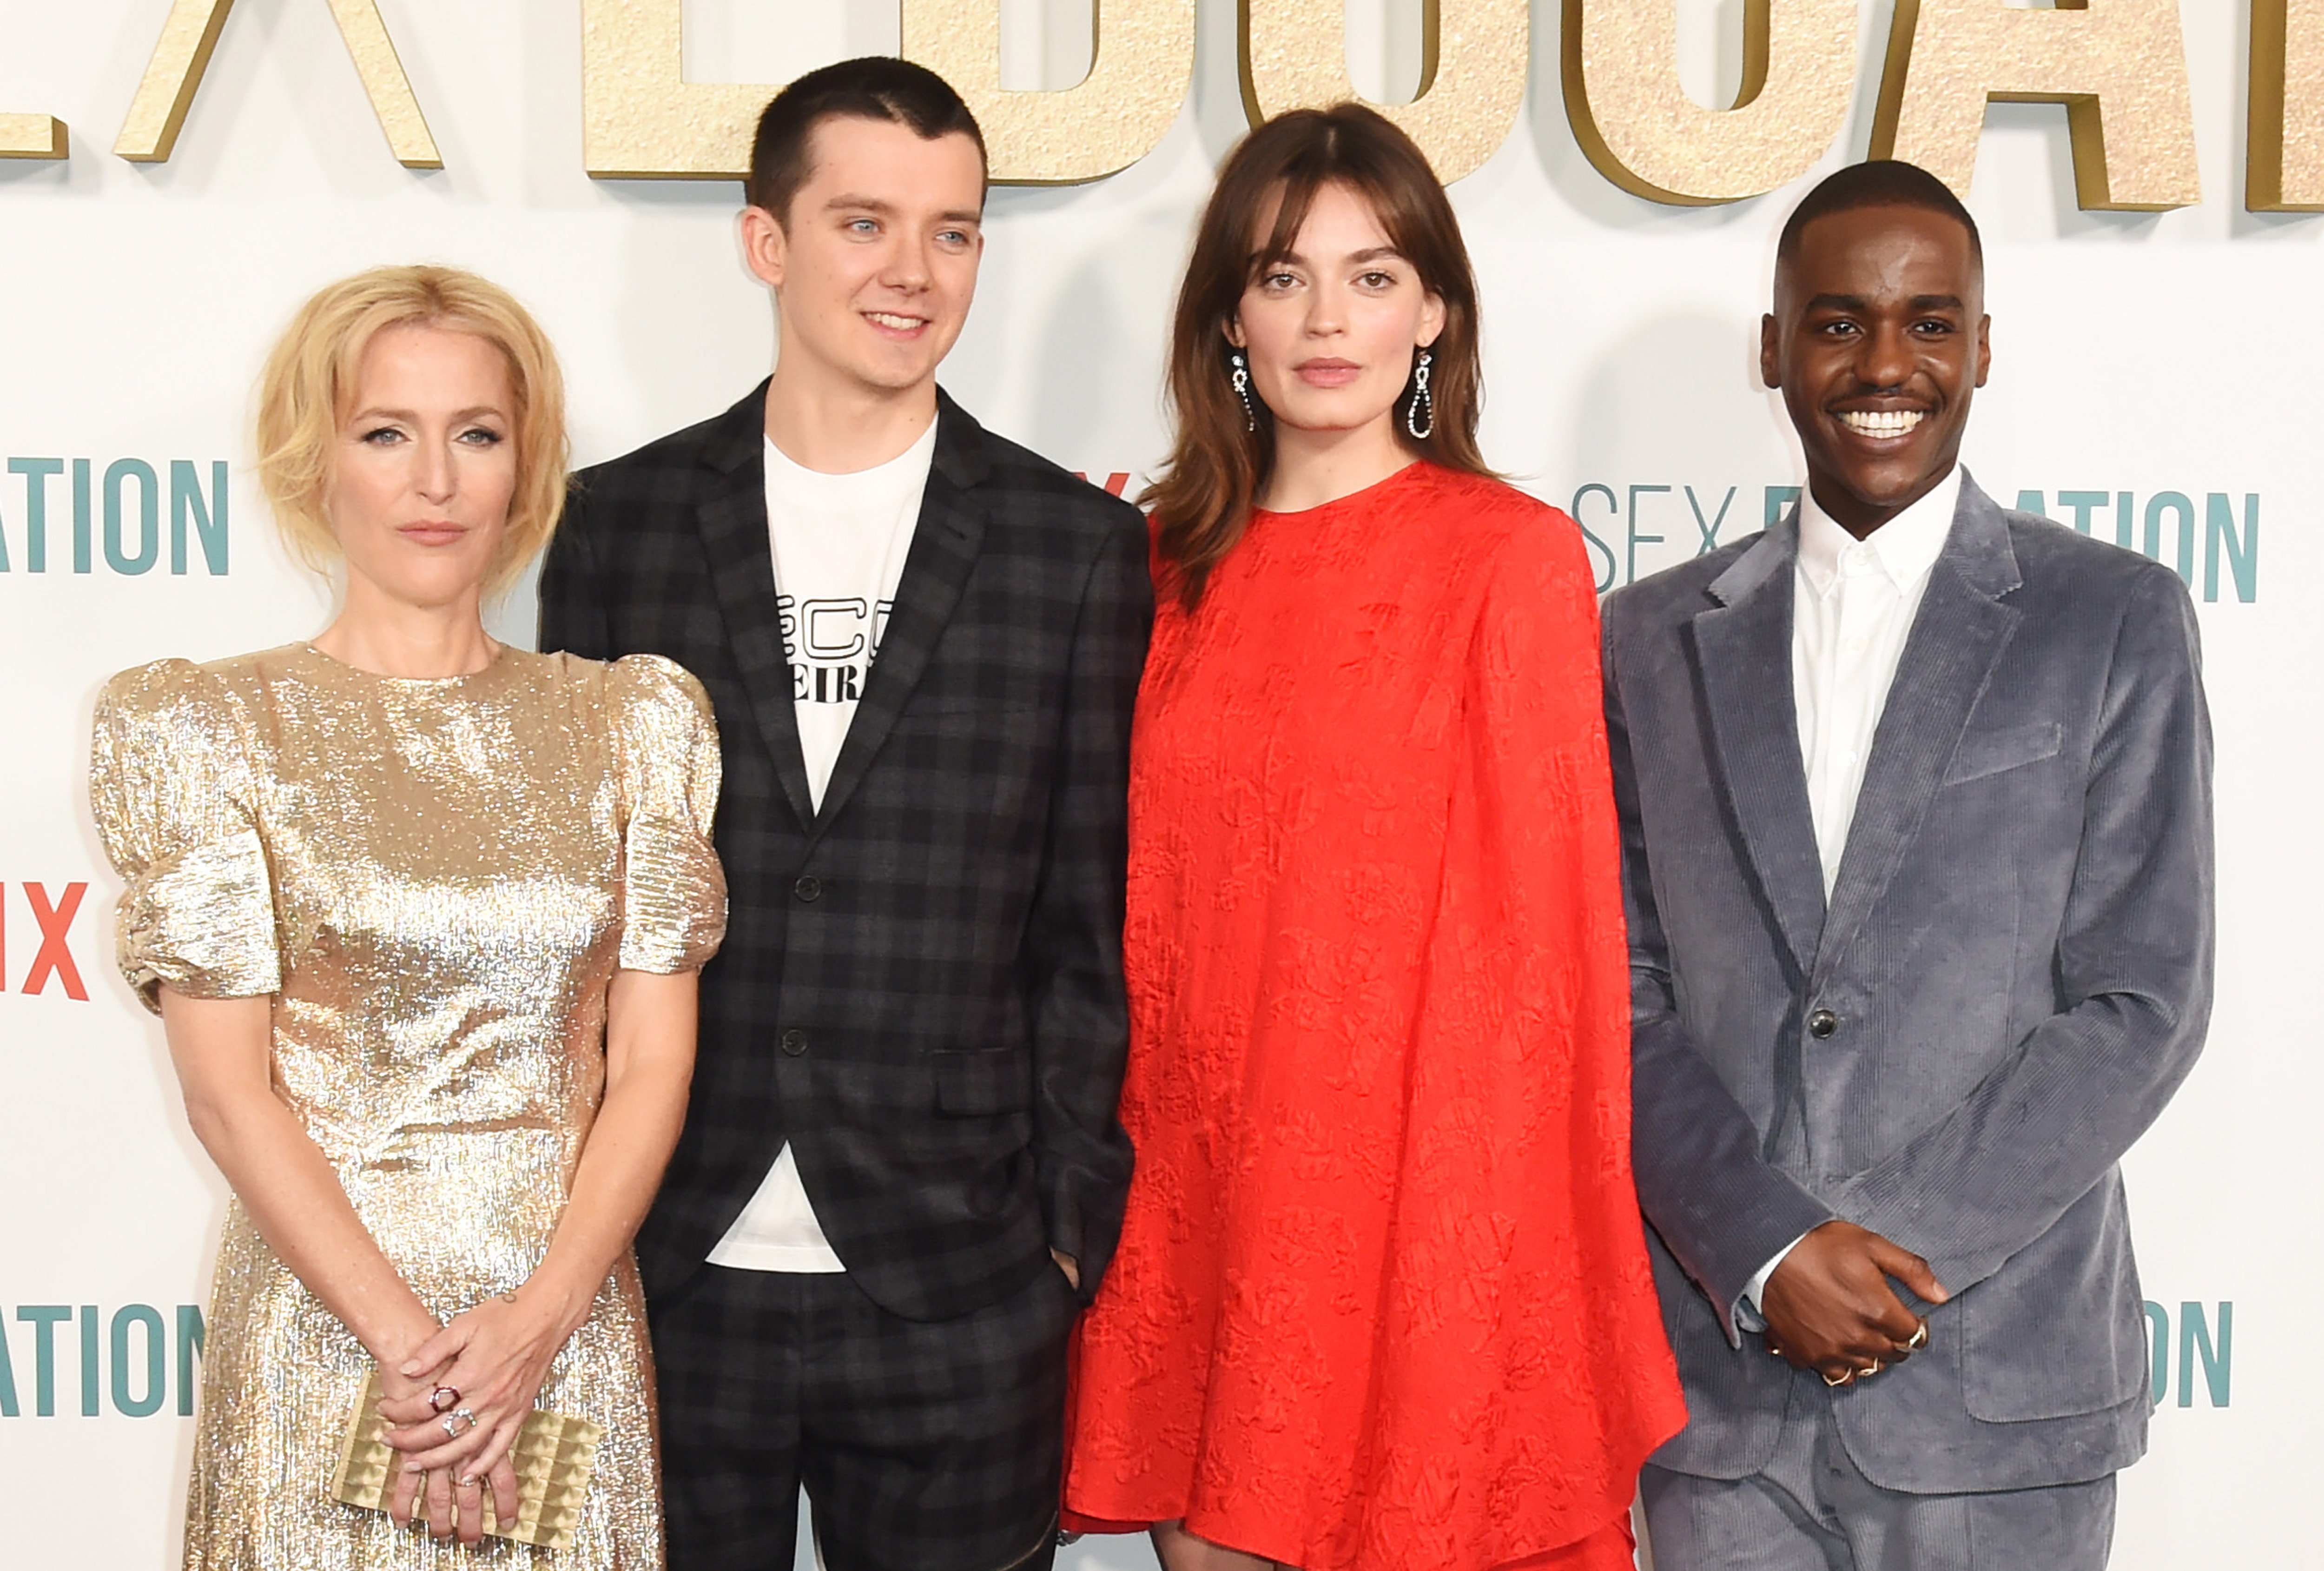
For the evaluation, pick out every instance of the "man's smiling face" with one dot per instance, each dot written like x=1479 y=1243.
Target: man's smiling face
x=1878 y=340
x=875 y=263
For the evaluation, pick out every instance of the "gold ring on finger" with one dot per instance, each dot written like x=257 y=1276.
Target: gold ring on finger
x=1843 y=1378
x=1873 y=1368
x=1920 y=1338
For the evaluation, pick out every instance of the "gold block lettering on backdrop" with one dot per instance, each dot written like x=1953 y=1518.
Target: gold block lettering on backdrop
x=2284 y=161
x=32 y=136
x=2118 y=66
x=1139 y=74
x=1472 y=75
x=1642 y=131
x=641 y=118
x=182 y=53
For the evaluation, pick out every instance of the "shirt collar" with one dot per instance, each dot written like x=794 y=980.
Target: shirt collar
x=1905 y=547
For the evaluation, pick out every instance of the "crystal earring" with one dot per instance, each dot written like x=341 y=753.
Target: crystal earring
x=1242 y=390
x=1420 y=419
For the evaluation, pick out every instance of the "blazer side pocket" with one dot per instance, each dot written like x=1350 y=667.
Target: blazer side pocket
x=1985 y=753
x=2060 y=1330
x=982 y=1083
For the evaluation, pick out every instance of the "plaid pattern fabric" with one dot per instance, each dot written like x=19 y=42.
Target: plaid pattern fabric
x=921 y=985
x=931 y=1444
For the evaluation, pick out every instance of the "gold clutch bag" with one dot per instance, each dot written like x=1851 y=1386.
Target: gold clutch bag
x=554 y=1455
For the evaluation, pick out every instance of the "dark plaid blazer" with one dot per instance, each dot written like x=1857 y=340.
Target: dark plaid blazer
x=921 y=985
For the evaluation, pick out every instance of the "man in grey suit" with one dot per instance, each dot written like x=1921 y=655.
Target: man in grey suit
x=1916 y=818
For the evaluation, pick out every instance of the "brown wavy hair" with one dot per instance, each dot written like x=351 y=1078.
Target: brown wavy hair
x=1204 y=493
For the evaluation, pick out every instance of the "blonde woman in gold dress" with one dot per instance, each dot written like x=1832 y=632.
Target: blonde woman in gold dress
x=421 y=915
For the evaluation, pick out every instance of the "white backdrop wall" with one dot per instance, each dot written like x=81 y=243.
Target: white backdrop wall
x=2142 y=362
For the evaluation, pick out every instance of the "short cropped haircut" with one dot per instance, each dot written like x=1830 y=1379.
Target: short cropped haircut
x=875 y=87
x=310 y=385
x=1882 y=183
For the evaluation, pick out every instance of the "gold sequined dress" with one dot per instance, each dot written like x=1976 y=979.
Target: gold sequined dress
x=436 y=880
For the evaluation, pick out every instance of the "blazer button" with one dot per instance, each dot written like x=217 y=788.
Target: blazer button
x=794 y=1043
x=808 y=888
x=1822 y=1023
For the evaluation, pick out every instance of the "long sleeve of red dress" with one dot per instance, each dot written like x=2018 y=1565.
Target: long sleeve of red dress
x=1382 y=1300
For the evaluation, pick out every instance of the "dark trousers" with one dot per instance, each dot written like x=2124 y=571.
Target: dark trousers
x=923 y=1445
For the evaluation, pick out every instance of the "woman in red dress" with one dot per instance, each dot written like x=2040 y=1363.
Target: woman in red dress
x=1381 y=1301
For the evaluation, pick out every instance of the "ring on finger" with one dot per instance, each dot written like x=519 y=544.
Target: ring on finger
x=443 y=1398
x=1920 y=1338
x=454 y=1419
x=1843 y=1378
x=1873 y=1368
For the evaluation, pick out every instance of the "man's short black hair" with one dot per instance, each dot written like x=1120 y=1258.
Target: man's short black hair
x=875 y=87
x=1882 y=183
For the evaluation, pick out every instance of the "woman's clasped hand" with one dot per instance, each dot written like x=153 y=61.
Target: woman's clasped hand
x=457 y=1403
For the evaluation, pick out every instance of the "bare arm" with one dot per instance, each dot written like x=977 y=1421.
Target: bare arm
x=223 y=1049
x=497 y=1354
x=648 y=1068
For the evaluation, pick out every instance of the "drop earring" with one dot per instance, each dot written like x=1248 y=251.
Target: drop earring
x=1241 y=379
x=1420 y=419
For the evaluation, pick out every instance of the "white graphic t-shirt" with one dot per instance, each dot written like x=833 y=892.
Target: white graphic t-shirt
x=839 y=546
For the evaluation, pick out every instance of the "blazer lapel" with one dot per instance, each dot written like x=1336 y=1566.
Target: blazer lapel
x=1957 y=633
x=945 y=540
x=733 y=518
x=1743 y=649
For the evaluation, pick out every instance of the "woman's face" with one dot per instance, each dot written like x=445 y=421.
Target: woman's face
x=1330 y=329
x=426 y=465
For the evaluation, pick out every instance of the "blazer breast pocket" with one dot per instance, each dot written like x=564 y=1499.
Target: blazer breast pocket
x=985 y=1083
x=1986 y=752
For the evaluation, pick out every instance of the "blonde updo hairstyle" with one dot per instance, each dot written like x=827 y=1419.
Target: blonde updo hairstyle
x=308 y=390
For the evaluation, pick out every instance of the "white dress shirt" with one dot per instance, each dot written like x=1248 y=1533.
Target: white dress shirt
x=1853 y=602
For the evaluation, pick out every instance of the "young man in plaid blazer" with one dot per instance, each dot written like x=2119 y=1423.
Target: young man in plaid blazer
x=901 y=1173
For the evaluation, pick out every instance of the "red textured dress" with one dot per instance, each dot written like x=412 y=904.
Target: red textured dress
x=1382 y=1300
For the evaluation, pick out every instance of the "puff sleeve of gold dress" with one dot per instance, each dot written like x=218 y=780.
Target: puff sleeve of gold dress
x=436 y=881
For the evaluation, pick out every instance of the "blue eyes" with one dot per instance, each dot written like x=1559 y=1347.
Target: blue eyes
x=474 y=437
x=869 y=228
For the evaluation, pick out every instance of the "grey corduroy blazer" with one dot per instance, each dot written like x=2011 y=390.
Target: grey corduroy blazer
x=2012 y=976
